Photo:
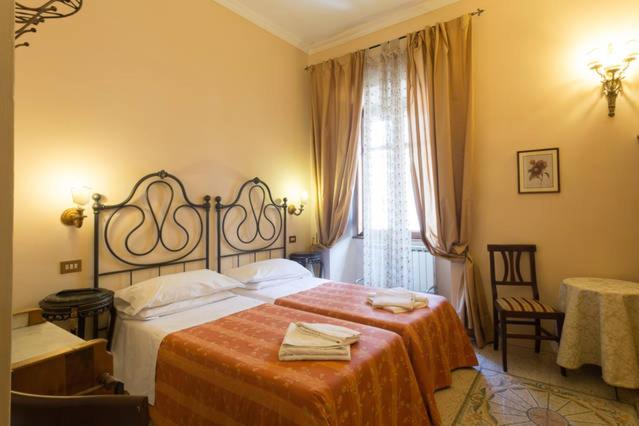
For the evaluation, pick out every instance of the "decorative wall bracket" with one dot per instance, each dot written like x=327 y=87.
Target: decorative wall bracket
x=610 y=65
x=611 y=88
x=28 y=17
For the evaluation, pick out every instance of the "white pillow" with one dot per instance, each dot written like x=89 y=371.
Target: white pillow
x=268 y=284
x=268 y=270
x=173 y=308
x=168 y=289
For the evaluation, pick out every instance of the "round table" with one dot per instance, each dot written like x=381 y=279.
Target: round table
x=306 y=258
x=601 y=328
x=80 y=303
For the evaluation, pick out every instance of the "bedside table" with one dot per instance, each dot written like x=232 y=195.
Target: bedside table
x=306 y=258
x=48 y=360
x=81 y=304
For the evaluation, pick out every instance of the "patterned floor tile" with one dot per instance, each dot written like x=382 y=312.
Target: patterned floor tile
x=503 y=399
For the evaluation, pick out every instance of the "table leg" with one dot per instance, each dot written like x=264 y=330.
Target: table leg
x=560 y=329
x=111 y=328
x=81 y=327
x=95 y=326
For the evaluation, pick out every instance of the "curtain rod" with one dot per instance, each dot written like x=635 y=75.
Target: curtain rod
x=478 y=12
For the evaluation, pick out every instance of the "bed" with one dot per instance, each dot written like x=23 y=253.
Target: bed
x=434 y=337
x=215 y=361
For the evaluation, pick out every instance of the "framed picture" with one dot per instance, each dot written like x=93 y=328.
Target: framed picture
x=538 y=171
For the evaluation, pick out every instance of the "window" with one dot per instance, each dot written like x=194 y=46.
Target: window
x=386 y=214
x=358 y=203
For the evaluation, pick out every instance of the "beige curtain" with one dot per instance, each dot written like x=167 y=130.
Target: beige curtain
x=337 y=88
x=441 y=140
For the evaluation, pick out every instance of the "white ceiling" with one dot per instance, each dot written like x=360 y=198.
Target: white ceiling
x=314 y=25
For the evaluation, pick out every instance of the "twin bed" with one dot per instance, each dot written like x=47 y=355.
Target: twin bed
x=217 y=363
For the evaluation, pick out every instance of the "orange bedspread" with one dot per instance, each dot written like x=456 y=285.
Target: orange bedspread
x=434 y=337
x=227 y=372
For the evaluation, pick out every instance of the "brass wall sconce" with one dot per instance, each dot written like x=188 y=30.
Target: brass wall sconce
x=303 y=199
x=74 y=216
x=611 y=65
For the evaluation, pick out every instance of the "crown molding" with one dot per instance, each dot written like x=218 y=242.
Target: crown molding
x=263 y=23
x=376 y=24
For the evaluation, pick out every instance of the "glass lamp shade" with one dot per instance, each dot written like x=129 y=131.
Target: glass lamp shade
x=81 y=195
x=304 y=197
x=594 y=58
x=632 y=50
x=613 y=59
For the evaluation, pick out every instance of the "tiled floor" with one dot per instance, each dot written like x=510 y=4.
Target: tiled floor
x=524 y=362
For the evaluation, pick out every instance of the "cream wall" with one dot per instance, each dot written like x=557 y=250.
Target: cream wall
x=126 y=88
x=6 y=201
x=533 y=90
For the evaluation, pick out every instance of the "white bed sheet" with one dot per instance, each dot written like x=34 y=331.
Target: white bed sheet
x=283 y=288
x=136 y=343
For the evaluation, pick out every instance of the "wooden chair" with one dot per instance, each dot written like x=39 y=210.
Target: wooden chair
x=523 y=310
x=102 y=410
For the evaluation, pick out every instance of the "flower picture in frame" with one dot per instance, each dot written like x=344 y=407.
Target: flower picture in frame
x=538 y=171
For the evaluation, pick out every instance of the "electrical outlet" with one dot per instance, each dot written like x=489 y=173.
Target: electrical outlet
x=292 y=239
x=70 y=266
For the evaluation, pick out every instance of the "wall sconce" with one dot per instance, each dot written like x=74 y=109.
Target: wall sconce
x=75 y=215
x=611 y=65
x=292 y=209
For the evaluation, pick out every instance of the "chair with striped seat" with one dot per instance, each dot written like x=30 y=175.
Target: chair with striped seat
x=519 y=310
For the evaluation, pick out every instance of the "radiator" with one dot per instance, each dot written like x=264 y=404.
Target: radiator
x=423 y=274
x=423 y=270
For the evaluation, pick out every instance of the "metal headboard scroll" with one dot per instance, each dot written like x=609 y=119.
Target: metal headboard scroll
x=262 y=223
x=161 y=252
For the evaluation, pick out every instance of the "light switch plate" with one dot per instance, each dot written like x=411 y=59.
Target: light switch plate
x=70 y=266
x=292 y=239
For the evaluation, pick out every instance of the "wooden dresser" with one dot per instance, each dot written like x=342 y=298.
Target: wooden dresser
x=48 y=360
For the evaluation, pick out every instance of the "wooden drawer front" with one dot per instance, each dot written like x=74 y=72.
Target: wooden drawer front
x=43 y=378
x=68 y=373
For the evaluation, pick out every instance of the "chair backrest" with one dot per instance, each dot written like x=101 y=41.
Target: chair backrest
x=102 y=410
x=511 y=255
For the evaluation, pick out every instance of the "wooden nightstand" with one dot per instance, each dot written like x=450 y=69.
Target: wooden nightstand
x=306 y=258
x=48 y=360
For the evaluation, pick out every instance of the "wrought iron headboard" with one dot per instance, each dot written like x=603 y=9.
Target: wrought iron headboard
x=163 y=222
x=268 y=218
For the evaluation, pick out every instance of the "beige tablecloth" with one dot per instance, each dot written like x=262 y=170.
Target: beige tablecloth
x=601 y=328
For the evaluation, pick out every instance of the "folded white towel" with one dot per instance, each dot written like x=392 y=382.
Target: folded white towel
x=398 y=310
x=294 y=353
x=403 y=301
x=295 y=337
x=395 y=291
x=306 y=341
x=397 y=300
x=334 y=333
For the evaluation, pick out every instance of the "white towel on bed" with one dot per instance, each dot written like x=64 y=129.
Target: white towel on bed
x=335 y=333
x=293 y=353
x=308 y=345
x=397 y=300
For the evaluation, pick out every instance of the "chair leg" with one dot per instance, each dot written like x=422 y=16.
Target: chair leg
x=504 y=349
x=495 y=329
x=537 y=333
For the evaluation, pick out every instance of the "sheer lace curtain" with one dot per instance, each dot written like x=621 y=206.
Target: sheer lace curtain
x=386 y=168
